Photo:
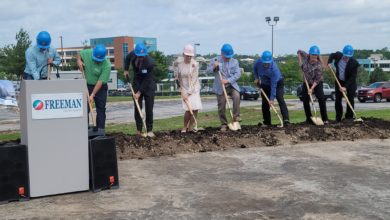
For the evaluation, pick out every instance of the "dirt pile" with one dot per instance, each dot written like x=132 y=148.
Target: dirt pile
x=211 y=139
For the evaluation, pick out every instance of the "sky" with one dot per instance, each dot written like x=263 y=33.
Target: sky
x=330 y=24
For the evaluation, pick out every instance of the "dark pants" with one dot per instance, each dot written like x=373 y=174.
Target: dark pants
x=279 y=97
x=319 y=93
x=221 y=100
x=100 y=104
x=149 y=103
x=27 y=76
x=338 y=103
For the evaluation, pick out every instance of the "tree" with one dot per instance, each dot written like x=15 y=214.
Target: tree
x=363 y=78
x=161 y=65
x=12 y=57
x=378 y=75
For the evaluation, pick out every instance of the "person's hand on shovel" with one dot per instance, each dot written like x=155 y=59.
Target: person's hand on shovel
x=137 y=95
x=343 y=89
x=225 y=81
x=91 y=98
x=184 y=96
x=257 y=82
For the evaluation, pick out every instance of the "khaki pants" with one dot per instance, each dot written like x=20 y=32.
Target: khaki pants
x=222 y=105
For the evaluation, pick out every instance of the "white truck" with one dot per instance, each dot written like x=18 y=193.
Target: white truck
x=329 y=92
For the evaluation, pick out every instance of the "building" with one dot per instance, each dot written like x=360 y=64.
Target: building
x=117 y=48
x=76 y=74
x=374 y=61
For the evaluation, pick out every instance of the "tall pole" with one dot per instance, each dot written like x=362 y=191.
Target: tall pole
x=62 y=55
x=272 y=40
x=269 y=21
x=195 y=45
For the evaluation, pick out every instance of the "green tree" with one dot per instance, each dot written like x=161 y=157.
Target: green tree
x=378 y=75
x=161 y=65
x=12 y=57
x=363 y=78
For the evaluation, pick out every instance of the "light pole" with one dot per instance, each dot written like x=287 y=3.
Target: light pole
x=196 y=45
x=268 y=20
x=62 y=54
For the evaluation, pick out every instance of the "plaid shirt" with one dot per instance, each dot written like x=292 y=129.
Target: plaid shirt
x=313 y=72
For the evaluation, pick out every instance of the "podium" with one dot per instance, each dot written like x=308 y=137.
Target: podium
x=54 y=127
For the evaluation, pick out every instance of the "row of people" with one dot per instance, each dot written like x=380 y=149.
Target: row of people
x=267 y=76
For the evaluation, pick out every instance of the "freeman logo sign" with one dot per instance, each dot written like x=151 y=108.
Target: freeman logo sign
x=61 y=105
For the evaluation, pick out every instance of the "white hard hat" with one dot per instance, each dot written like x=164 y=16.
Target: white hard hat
x=188 y=50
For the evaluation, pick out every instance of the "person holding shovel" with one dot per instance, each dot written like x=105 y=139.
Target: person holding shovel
x=270 y=80
x=311 y=66
x=186 y=73
x=346 y=72
x=144 y=85
x=97 y=70
x=229 y=68
x=38 y=56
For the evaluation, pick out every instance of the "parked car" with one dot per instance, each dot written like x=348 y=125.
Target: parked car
x=376 y=92
x=249 y=92
x=329 y=92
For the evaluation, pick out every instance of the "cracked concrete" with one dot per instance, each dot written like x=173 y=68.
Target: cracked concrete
x=332 y=180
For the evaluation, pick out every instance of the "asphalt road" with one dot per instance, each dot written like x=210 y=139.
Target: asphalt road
x=329 y=180
x=123 y=112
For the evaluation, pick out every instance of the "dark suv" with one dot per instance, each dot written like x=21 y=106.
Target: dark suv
x=249 y=92
x=376 y=92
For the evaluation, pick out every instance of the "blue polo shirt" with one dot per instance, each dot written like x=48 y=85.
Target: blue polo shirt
x=269 y=76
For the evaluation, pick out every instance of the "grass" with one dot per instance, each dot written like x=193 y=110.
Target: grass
x=249 y=116
x=129 y=98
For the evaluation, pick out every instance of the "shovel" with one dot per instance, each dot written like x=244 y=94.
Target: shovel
x=192 y=114
x=235 y=125
x=345 y=95
x=316 y=120
x=273 y=108
x=144 y=134
x=89 y=103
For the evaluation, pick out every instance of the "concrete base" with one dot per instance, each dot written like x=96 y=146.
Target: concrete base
x=334 y=180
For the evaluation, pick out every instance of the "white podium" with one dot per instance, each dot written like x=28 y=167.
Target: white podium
x=54 y=127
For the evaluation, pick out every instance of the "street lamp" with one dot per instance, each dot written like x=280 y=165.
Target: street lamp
x=196 y=45
x=268 y=20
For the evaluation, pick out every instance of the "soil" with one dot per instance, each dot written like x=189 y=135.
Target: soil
x=211 y=139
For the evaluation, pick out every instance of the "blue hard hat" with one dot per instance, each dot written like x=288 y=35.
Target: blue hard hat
x=227 y=51
x=266 y=57
x=140 y=50
x=43 y=40
x=314 y=50
x=99 y=53
x=348 y=51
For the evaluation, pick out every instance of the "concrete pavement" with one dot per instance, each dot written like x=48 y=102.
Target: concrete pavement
x=329 y=180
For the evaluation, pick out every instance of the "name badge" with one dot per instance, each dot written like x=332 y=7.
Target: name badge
x=144 y=71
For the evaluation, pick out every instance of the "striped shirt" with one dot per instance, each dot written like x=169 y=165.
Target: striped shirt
x=342 y=66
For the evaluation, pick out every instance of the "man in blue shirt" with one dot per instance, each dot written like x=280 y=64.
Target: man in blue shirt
x=230 y=74
x=268 y=77
x=38 y=56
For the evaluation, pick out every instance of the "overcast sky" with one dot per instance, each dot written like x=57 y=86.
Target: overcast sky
x=330 y=24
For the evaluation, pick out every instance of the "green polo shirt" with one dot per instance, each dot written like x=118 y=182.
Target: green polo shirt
x=93 y=70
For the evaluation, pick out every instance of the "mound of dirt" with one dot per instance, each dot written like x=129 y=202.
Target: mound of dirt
x=211 y=139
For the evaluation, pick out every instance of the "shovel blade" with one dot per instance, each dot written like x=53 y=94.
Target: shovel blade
x=358 y=120
x=317 y=121
x=234 y=126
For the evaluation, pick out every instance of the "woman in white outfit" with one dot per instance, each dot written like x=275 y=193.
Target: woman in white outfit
x=186 y=71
